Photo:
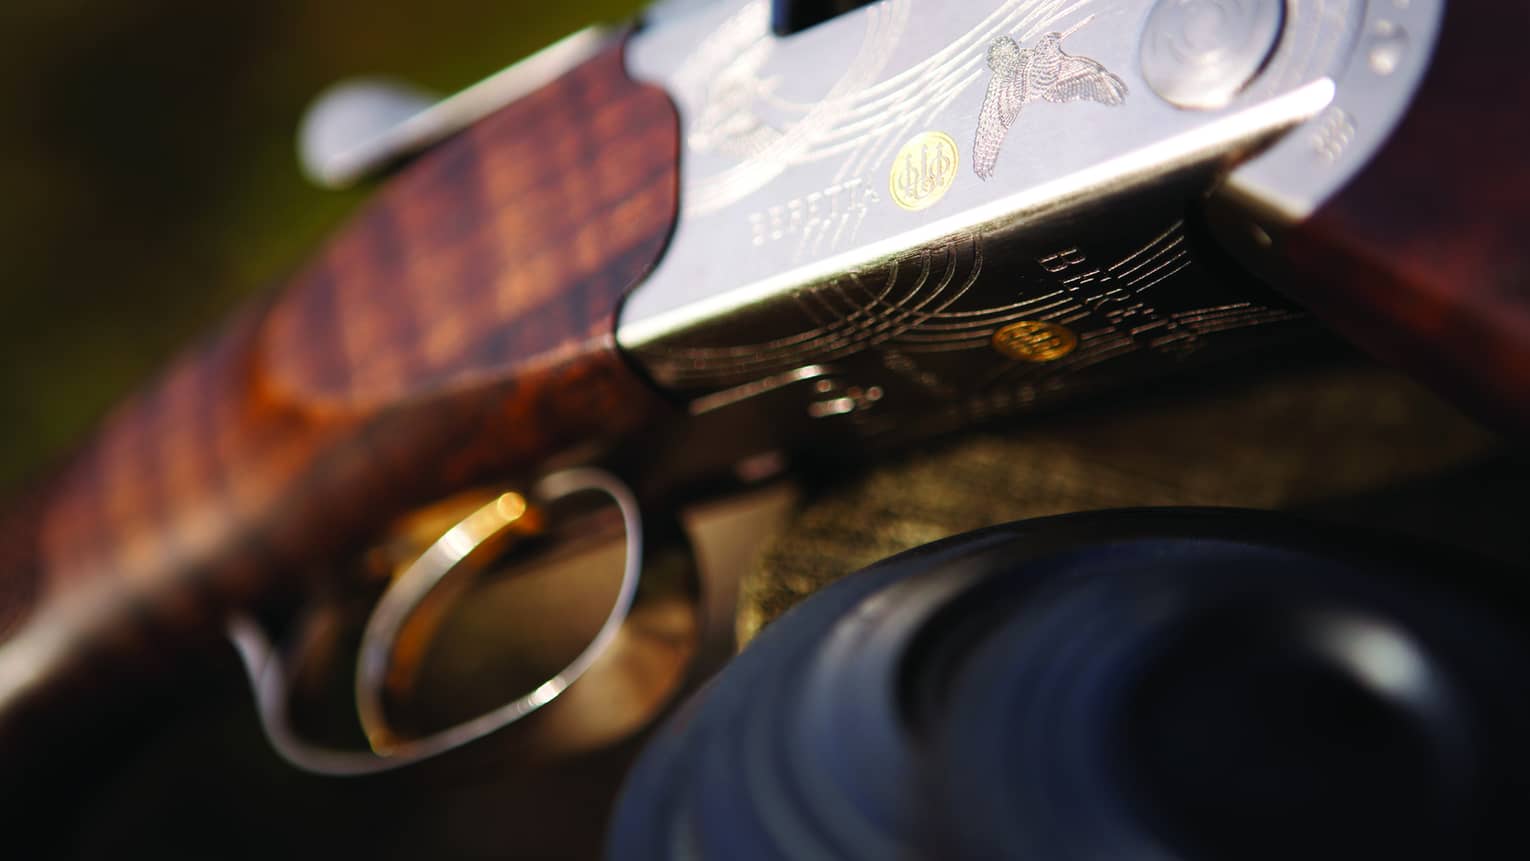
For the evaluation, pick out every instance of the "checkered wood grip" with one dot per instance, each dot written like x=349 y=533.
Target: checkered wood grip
x=460 y=328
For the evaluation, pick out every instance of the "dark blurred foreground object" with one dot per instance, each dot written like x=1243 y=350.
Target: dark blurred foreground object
x=1131 y=684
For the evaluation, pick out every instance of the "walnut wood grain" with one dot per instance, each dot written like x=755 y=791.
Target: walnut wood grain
x=460 y=328
x=1423 y=259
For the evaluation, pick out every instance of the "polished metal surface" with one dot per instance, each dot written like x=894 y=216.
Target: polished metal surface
x=786 y=142
x=342 y=134
x=802 y=290
x=932 y=339
x=1376 y=53
x=1201 y=53
x=357 y=128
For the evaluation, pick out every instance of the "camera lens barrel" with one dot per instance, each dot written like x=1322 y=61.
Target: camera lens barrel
x=1145 y=684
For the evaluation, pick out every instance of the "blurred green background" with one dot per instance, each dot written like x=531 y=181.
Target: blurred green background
x=148 y=181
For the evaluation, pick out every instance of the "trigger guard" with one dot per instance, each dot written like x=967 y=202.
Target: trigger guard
x=268 y=679
x=422 y=577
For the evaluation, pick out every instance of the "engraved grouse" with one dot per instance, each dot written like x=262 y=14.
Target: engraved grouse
x=1022 y=75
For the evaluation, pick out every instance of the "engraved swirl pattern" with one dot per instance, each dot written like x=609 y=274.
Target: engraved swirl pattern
x=925 y=303
x=860 y=122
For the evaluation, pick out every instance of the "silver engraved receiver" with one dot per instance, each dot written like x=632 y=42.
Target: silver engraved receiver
x=831 y=278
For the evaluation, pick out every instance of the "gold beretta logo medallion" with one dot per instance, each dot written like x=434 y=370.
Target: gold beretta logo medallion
x=923 y=170
x=1035 y=341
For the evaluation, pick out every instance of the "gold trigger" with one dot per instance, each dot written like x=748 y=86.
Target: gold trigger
x=408 y=536
x=492 y=523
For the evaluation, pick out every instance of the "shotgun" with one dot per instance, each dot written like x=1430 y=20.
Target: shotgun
x=743 y=235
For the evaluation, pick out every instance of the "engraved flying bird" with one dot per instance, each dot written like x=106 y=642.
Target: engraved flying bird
x=1022 y=75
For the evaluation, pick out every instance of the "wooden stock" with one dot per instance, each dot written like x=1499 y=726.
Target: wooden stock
x=461 y=327
x=1424 y=259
